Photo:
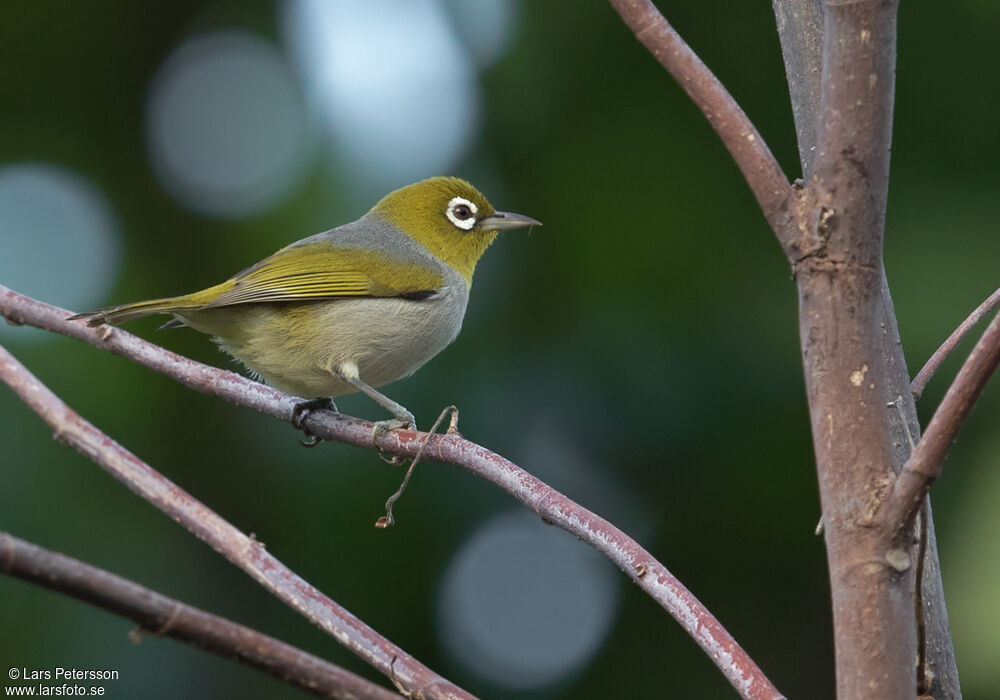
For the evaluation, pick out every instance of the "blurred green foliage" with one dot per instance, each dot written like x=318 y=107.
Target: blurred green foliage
x=650 y=324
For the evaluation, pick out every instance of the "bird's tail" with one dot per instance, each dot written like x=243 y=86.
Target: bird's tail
x=127 y=312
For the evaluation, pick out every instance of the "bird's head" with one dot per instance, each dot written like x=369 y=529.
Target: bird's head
x=449 y=217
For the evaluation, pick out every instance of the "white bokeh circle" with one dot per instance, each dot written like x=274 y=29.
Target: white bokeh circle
x=391 y=84
x=226 y=126
x=525 y=605
x=59 y=238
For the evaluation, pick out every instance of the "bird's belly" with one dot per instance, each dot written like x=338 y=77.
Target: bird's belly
x=296 y=346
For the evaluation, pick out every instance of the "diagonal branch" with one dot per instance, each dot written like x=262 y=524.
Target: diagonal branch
x=552 y=506
x=167 y=617
x=927 y=371
x=753 y=157
x=927 y=460
x=243 y=551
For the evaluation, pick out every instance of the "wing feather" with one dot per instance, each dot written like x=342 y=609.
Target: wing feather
x=320 y=270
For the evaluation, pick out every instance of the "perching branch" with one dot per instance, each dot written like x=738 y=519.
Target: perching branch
x=552 y=506
x=753 y=157
x=924 y=375
x=243 y=551
x=166 y=617
x=927 y=460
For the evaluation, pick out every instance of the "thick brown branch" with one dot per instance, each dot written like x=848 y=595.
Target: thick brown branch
x=245 y=552
x=800 y=28
x=848 y=376
x=167 y=617
x=927 y=371
x=927 y=460
x=753 y=157
x=554 y=507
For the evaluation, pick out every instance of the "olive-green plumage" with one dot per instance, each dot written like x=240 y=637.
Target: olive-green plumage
x=354 y=307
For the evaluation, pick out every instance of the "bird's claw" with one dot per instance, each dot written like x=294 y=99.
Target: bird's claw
x=404 y=421
x=401 y=422
x=303 y=409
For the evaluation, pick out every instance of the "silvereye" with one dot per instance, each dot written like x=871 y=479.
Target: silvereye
x=352 y=308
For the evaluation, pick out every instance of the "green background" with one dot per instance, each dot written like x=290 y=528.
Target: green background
x=649 y=327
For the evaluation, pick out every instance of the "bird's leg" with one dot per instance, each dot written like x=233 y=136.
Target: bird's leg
x=302 y=409
x=348 y=371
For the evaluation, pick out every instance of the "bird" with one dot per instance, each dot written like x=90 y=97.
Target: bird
x=353 y=308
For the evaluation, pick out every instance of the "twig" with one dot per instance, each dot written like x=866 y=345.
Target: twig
x=927 y=460
x=388 y=520
x=551 y=505
x=760 y=168
x=167 y=617
x=245 y=552
x=927 y=371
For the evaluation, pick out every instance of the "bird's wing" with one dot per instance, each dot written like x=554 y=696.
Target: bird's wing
x=321 y=270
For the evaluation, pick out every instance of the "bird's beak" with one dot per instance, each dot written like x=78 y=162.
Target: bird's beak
x=504 y=219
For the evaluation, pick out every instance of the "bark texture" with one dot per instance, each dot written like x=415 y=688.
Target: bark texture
x=801 y=26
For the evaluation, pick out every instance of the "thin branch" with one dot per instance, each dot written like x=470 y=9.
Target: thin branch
x=552 y=506
x=167 y=617
x=245 y=552
x=800 y=30
x=927 y=371
x=753 y=157
x=927 y=460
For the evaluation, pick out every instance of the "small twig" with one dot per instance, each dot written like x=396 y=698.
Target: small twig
x=167 y=617
x=931 y=366
x=760 y=168
x=245 y=552
x=927 y=460
x=387 y=520
x=555 y=508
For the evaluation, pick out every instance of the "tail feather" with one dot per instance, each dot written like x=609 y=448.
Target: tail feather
x=127 y=312
x=138 y=309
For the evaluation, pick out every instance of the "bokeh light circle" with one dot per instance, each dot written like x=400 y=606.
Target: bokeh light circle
x=59 y=238
x=226 y=125
x=391 y=83
x=484 y=27
x=525 y=605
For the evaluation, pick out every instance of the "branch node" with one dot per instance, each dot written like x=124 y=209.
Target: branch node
x=898 y=559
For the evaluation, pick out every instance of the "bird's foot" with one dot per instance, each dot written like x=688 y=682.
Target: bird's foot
x=303 y=409
x=404 y=420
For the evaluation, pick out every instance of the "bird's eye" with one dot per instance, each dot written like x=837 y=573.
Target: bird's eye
x=462 y=213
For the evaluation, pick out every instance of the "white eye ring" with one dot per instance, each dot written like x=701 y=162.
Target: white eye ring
x=462 y=206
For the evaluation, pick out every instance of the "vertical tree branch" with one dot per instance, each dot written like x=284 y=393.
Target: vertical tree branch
x=839 y=275
x=800 y=27
x=835 y=246
x=800 y=30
